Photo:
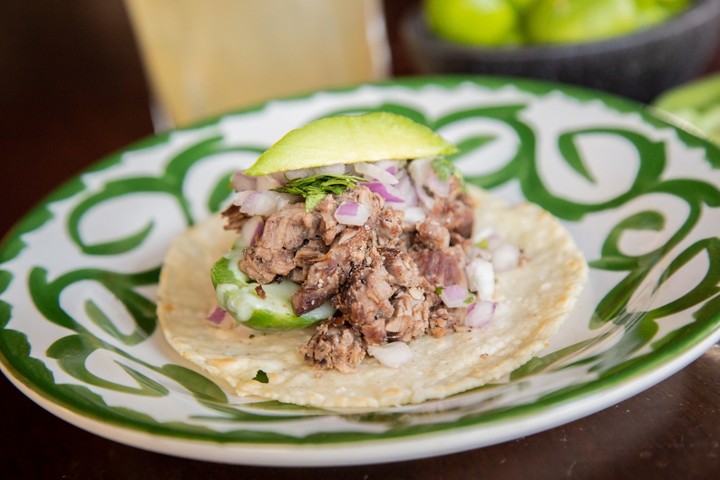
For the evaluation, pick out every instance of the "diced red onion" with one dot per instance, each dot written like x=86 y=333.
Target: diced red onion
x=405 y=190
x=456 y=296
x=481 y=278
x=352 y=213
x=336 y=169
x=506 y=257
x=414 y=215
x=217 y=317
x=479 y=314
x=384 y=191
x=252 y=229
x=392 y=355
x=374 y=172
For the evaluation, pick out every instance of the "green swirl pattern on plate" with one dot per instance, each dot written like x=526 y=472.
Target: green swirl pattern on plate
x=77 y=317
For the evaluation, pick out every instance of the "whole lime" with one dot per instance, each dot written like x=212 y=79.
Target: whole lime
x=474 y=22
x=652 y=14
x=674 y=6
x=575 y=21
x=523 y=5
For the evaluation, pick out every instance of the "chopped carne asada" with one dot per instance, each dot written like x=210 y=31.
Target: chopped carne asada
x=381 y=273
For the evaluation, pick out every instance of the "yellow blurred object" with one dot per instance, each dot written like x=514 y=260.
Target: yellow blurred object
x=206 y=57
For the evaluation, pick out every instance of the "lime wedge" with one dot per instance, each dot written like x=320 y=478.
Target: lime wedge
x=267 y=307
x=347 y=139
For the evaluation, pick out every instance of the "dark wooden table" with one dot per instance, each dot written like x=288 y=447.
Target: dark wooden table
x=72 y=91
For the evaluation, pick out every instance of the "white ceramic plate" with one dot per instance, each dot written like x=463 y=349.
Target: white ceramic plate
x=78 y=331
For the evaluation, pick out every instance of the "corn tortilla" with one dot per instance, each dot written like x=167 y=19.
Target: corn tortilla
x=534 y=299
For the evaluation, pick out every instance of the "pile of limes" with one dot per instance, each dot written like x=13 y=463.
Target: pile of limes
x=517 y=22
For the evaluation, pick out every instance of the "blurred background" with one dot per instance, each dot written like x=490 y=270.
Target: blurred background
x=73 y=87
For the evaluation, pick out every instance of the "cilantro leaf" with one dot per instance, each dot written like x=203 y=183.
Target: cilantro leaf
x=261 y=377
x=314 y=188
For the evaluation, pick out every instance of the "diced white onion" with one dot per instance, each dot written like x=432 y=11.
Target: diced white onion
x=264 y=203
x=394 y=167
x=267 y=182
x=441 y=188
x=481 y=278
x=392 y=355
x=414 y=215
x=259 y=203
x=241 y=182
x=352 y=213
x=240 y=197
x=419 y=170
x=483 y=236
x=506 y=257
x=374 y=172
x=456 y=296
x=479 y=314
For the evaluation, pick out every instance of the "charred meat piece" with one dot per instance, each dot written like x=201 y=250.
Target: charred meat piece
x=455 y=213
x=432 y=234
x=365 y=300
x=335 y=345
x=442 y=267
x=329 y=227
x=273 y=253
x=312 y=251
x=386 y=300
x=411 y=314
x=325 y=277
x=444 y=320
x=400 y=265
x=389 y=227
x=382 y=302
x=234 y=218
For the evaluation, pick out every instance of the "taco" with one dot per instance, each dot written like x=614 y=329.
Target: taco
x=366 y=275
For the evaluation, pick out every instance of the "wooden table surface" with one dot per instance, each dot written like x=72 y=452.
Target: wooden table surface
x=72 y=91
